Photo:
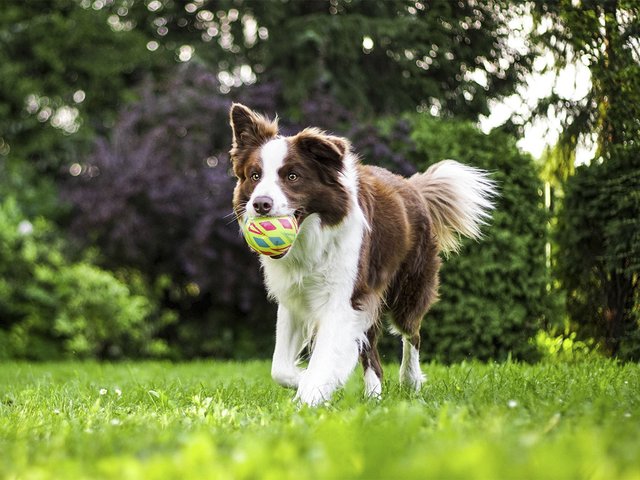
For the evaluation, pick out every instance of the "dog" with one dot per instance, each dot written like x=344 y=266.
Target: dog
x=369 y=241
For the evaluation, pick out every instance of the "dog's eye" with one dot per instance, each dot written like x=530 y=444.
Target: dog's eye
x=292 y=177
x=255 y=176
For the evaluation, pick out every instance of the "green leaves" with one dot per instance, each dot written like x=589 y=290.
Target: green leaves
x=598 y=236
x=493 y=294
x=53 y=307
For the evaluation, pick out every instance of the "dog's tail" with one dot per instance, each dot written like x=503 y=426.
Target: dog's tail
x=459 y=199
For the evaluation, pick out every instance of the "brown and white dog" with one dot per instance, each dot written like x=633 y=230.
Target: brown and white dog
x=369 y=241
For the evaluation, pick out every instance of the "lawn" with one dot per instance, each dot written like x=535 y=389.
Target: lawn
x=228 y=420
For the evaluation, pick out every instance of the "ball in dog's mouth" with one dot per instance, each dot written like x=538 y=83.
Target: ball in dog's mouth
x=271 y=236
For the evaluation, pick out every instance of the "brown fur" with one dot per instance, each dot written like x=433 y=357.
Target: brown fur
x=250 y=130
x=317 y=159
x=399 y=260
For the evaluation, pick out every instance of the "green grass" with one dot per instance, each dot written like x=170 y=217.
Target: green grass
x=228 y=420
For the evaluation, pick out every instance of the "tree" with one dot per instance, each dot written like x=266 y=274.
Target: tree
x=53 y=307
x=599 y=261
x=599 y=223
x=63 y=73
x=144 y=168
x=375 y=57
x=155 y=195
x=605 y=36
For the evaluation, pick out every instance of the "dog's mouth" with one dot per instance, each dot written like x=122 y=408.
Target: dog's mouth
x=300 y=215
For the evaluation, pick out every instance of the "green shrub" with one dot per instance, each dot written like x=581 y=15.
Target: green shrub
x=493 y=295
x=598 y=258
x=51 y=307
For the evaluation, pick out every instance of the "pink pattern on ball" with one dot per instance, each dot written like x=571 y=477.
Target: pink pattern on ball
x=285 y=223
x=268 y=226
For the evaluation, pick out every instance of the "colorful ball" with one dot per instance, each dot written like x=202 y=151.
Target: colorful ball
x=271 y=236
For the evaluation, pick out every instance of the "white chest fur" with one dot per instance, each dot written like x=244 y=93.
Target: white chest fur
x=320 y=270
x=313 y=285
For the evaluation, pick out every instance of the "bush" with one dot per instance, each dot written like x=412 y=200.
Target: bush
x=493 y=295
x=52 y=308
x=598 y=258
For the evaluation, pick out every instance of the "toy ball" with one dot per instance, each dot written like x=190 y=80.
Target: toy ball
x=270 y=236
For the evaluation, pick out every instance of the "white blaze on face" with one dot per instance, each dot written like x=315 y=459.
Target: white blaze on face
x=272 y=155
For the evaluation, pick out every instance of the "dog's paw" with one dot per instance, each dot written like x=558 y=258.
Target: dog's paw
x=287 y=377
x=372 y=385
x=411 y=378
x=313 y=393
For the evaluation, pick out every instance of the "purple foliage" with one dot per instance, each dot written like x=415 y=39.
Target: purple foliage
x=156 y=195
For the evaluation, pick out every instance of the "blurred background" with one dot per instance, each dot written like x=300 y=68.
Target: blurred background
x=116 y=234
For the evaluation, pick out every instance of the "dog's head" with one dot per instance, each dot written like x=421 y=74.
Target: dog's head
x=299 y=175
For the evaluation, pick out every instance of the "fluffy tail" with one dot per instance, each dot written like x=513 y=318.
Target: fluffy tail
x=459 y=198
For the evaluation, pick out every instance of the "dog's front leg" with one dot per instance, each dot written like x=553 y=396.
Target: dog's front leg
x=289 y=343
x=335 y=354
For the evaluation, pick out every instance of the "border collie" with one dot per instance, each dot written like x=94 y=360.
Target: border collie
x=369 y=241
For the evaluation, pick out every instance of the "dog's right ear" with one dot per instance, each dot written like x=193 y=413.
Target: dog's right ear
x=250 y=129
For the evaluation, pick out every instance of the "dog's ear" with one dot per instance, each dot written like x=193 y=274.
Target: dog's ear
x=327 y=150
x=250 y=129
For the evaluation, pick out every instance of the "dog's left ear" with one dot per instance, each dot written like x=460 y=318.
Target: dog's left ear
x=250 y=129
x=327 y=150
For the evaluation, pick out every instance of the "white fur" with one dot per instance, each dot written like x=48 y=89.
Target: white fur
x=289 y=343
x=372 y=384
x=410 y=373
x=459 y=198
x=474 y=190
x=313 y=285
x=272 y=155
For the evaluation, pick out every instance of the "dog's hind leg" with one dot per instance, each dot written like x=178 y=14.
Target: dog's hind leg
x=410 y=372
x=407 y=312
x=411 y=295
x=371 y=366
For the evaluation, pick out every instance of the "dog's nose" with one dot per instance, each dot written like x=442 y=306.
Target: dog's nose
x=263 y=205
